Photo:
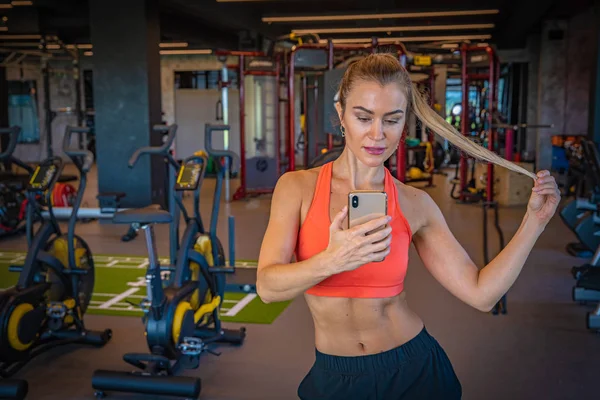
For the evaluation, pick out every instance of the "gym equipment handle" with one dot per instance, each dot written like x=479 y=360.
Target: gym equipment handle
x=13 y=132
x=14 y=389
x=171 y=130
x=73 y=153
x=520 y=126
x=208 y=132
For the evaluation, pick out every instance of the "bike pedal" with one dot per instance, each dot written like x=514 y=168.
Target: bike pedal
x=191 y=346
x=144 y=305
x=56 y=310
x=214 y=353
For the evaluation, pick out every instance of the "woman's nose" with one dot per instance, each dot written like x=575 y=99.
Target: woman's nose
x=377 y=131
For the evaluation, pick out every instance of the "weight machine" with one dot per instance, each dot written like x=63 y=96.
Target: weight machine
x=416 y=145
x=487 y=197
x=260 y=148
x=318 y=60
x=19 y=50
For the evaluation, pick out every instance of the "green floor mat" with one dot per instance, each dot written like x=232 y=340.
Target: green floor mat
x=120 y=286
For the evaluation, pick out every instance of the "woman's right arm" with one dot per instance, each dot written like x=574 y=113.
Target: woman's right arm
x=278 y=279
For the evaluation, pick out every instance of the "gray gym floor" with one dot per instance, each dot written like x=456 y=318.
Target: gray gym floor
x=539 y=350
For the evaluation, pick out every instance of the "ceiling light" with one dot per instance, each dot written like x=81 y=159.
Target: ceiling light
x=20 y=44
x=173 y=44
x=80 y=46
x=53 y=46
x=5 y=5
x=185 y=52
x=22 y=3
x=393 y=29
x=20 y=37
x=3 y=28
x=349 y=17
x=482 y=44
x=88 y=53
x=410 y=39
x=449 y=45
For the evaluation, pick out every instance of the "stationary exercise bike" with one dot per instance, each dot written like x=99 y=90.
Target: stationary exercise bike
x=46 y=307
x=181 y=319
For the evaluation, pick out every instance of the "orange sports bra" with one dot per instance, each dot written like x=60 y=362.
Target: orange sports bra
x=373 y=280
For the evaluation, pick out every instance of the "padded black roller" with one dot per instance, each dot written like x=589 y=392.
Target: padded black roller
x=182 y=386
x=14 y=389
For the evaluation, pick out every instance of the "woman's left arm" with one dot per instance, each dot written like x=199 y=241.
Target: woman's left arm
x=449 y=263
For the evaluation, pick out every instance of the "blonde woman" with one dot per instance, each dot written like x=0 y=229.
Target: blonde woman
x=369 y=344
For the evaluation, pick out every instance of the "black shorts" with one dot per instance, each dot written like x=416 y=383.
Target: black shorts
x=419 y=369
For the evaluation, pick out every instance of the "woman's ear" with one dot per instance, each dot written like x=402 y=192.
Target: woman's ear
x=339 y=110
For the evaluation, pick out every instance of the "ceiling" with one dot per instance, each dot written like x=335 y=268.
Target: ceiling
x=221 y=23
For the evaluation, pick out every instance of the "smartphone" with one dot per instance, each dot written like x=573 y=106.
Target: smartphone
x=366 y=205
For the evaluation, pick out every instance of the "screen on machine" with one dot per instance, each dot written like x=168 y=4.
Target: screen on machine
x=43 y=177
x=189 y=176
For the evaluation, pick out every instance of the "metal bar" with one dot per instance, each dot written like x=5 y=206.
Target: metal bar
x=464 y=123
x=374 y=44
x=82 y=213
x=277 y=117
x=291 y=113
x=225 y=102
x=239 y=53
x=260 y=73
x=430 y=136
x=47 y=107
x=316 y=94
x=401 y=157
x=242 y=94
x=83 y=139
x=492 y=134
x=305 y=100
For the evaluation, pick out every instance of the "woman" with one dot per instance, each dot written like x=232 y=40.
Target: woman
x=369 y=344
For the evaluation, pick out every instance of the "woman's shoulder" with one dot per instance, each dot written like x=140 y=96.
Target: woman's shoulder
x=414 y=203
x=409 y=193
x=299 y=180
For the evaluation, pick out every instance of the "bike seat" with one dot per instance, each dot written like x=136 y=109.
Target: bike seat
x=144 y=216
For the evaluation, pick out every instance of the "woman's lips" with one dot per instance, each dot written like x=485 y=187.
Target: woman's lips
x=376 y=151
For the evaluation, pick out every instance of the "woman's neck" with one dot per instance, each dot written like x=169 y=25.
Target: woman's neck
x=358 y=175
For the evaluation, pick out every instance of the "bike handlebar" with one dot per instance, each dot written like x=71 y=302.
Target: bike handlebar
x=163 y=150
x=74 y=153
x=13 y=132
x=208 y=132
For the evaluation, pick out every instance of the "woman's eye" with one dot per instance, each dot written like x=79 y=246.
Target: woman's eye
x=391 y=121
x=361 y=119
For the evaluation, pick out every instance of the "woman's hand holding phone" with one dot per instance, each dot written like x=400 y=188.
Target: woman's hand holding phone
x=363 y=243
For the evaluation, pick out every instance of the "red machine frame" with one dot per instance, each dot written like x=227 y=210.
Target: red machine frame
x=242 y=190
x=492 y=77
x=330 y=47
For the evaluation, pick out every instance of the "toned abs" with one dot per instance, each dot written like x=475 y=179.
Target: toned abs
x=358 y=326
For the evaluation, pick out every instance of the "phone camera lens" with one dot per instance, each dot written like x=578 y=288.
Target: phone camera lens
x=355 y=201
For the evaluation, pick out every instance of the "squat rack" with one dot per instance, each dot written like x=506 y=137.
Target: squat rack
x=330 y=47
x=20 y=50
x=242 y=190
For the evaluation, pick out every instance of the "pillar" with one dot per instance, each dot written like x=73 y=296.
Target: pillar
x=552 y=81
x=3 y=109
x=126 y=75
x=594 y=94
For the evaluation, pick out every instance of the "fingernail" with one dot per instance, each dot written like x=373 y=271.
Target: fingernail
x=389 y=218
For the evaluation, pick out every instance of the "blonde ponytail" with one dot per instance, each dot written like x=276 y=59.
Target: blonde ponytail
x=385 y=69
x=432 y=120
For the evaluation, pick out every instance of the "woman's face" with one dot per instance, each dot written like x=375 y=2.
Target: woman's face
x=373 y=120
